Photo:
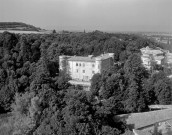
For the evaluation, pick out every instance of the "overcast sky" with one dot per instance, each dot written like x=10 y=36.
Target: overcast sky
x=106 y=15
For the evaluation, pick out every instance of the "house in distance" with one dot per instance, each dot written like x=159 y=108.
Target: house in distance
x=81 y=69
x=157 y=55
x=149 y=55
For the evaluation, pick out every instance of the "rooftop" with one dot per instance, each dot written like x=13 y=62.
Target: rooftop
x=138 y=132
x=159 y=57
x=89 y=58
x=81 y=58
x=169 y=122
x=151 y=51
x=160 y=106
x=168 y=54
x=140 y=120
x=104 y=56
x=170 y=76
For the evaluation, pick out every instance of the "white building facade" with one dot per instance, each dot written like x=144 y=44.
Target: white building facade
x=81 y=69
x=169 y=58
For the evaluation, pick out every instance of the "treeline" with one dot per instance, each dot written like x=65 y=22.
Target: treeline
x=43 y=102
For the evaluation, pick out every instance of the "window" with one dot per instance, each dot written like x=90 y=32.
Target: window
x=83 y=71
x=83 y=64
x=93 y=72
x=92 y=65
x=76 y=64
x=79 y=64
x=77 y=70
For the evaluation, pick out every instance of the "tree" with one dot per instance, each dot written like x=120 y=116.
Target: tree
x=149 y=90
x=54 y=31
x=163 y=91
x=133 y=96
x=83 y=117
x=7 y=92
x=8 y=40
x=95 y=84
x=136 y=98
x=25 y=49
x=51 y=118
x=158 y=89
x=111 y=87
x=45 y=103
x=133 y=65
x=26 y=111
x=77 y=113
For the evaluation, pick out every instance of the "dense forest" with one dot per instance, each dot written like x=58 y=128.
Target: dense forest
x=42 y=102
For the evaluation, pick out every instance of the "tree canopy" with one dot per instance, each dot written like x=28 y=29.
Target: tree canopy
x=43 y=102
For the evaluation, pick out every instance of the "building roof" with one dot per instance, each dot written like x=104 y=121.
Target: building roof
x=169 y=122
x=89 y=58
x=159 y=57
x=160 y=106
x=169 y=60
x=140 y=120
x=148 y=50
x=80 y=58
x=168 y=54
x=104 y=56
x=157 y=52
x=138 y=132
x=154 y=52
x=170 y=76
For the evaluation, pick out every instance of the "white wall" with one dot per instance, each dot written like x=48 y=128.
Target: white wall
x=76 y=72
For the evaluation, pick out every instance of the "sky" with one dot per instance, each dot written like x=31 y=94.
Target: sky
x=104 y=15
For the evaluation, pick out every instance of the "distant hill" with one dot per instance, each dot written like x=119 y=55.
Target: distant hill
x=18 y=26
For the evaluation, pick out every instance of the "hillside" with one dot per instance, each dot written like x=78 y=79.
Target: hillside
x=18 y=26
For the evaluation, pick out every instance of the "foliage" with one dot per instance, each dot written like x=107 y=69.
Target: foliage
x=45 y=103
x=26 y=111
